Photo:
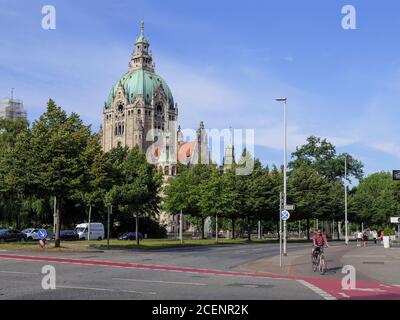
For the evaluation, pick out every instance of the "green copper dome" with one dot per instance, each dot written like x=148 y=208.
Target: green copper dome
x=141 y=82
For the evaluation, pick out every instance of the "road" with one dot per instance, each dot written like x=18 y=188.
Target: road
x=198 y=273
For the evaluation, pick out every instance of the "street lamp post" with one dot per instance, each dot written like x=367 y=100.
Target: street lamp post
x=284 y=100
x=345 y=202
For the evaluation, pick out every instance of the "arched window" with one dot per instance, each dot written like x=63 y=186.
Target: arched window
x=166 y=170
x=120 y=107
x=159 y=109
x=119 y=130
x=138 y=112
x=116 y=131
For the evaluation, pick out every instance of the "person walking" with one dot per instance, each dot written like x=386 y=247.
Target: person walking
x=359 y=237
x=365 y=239
x=374 y=235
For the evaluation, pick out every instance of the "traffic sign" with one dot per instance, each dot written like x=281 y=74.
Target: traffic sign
x=289 y=207
x=285 y=215
x=395 y=220
x=42 y=234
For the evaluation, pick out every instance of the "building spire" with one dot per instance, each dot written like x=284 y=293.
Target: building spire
x=142 y=28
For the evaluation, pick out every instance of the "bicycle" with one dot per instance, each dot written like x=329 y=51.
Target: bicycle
x=319 y=261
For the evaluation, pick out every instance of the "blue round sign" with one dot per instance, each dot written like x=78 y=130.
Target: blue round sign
x=285 y=215
x=42 y=233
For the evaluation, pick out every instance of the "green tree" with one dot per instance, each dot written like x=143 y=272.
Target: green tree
x=375 y=200
x=321 y=155
x=56 y=146
x=311 y=193
x=184 y=192
x=138 y=193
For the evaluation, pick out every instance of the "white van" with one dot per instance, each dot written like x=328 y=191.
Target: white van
x=96 y=231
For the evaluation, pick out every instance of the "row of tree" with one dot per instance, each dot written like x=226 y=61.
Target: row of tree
x=316 y=185
x=60 y=157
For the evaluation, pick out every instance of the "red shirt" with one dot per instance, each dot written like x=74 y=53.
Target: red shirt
x=319 y=239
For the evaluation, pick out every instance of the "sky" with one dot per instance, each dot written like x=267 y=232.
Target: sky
x=225 y=62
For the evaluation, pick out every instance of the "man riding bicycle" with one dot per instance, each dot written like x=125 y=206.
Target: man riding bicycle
x=319 y=242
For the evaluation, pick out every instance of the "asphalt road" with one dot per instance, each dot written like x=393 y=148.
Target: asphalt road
x=198 y=273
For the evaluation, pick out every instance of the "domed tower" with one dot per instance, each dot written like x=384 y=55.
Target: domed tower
x=138 y=102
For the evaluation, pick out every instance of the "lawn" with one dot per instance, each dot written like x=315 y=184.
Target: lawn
x=32 y=246
x=146 y=244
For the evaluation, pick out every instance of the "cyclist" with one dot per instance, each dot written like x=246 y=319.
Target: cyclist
x=319 y=242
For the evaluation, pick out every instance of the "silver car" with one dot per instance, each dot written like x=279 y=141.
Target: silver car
x=31 y=234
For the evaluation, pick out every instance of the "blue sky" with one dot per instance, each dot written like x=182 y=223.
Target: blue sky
x=225 y=62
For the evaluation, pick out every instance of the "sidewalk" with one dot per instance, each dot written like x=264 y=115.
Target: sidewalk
x=372 y=263
x=377 y=271
x=376 y=262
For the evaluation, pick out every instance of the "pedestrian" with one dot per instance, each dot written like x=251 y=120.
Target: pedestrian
x=359 y=237
x=374 y=235
x=365 y=239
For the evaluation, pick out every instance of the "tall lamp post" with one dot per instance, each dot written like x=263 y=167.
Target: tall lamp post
x=345 y=203
x=284 y=100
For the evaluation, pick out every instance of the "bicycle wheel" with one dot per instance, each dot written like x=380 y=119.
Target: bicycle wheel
x=322 y=264
x=314 y=263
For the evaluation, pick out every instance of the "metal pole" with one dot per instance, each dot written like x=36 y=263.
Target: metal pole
x=280 y=229
x=299 y=230
x=55 y=216
x=259 y=229
x=180 y=228
x=90 y=213
x=345 y=202
x=108 y=226
x=284 y=177
x=216 y=227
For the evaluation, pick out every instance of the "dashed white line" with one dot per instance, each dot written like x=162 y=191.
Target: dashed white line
x=104 y=289
x=160 y=281
x=18 y=272
x=317 y=290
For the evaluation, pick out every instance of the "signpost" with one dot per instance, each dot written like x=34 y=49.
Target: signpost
x=289 y=207
x=396 y=220
x=285 y=215
x=396 y=174
x=42 y=233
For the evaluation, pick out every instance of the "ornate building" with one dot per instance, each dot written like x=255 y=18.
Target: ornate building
x=140 y=111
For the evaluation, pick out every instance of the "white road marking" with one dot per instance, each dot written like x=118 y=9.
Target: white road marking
x=317 y=290
x=367 y=289
x=160 y=281
x=17 y=272
x=344 y=295
x=104 y=289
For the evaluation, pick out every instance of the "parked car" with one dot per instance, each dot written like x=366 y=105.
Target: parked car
x=67 y=235
x=11 y=235
x=31 y=234
x=96 y=231
x=130 y=236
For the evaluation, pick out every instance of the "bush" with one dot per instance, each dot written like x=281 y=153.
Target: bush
x=389 y=232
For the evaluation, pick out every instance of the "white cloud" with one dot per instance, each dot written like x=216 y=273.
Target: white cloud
x=387 y=147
